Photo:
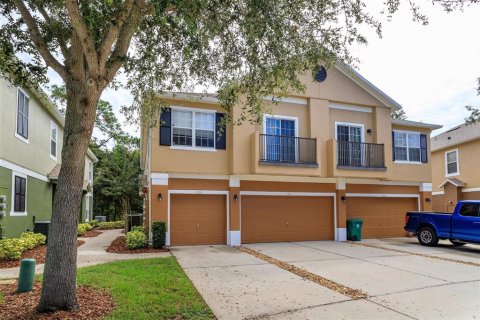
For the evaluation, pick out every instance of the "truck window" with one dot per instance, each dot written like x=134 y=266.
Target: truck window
x=470 y=210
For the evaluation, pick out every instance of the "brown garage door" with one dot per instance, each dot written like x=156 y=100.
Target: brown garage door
x=197 y=219
x=382 y=217
x=278 y=218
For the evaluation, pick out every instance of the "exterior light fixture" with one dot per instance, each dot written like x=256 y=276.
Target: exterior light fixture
x=369 y=131
x=344 y=199
x=159 y=197
x=235 y=197
x=428 y=200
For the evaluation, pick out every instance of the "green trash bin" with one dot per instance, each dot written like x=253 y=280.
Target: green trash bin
x=354 y=229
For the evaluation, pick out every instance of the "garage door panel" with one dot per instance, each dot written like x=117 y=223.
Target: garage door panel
x=382 y=217
x=197 y=219
x=280 y=218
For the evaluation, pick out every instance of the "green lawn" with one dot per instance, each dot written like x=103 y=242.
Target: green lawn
x=147 y=289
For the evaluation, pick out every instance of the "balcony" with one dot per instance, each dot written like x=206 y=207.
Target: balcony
x=275 y=150
x=359 y=155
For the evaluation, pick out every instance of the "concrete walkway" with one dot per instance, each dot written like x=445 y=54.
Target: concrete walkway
x=92 y=252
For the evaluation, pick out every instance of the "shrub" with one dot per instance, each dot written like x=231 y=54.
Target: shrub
x=112 y=225
x=81 y=229
x=158 y=234
x=138 y=228
x=88 y=226
x=136 y=239
x=93 y=223
x=30 y=239
x=11 y=249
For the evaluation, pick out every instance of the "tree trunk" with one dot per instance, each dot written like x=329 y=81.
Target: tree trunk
x=59 y=280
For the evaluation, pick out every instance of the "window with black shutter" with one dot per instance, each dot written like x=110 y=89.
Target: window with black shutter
x=409 y=147
x=20 y=188
x=23 y=105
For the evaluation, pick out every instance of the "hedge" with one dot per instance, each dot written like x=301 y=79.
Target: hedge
x=12 y=249
x=159 y=230
x=112 y=225
x=136 y=239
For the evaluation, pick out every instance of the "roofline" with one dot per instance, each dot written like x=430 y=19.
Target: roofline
x=450 y=181
x=415 y=124
x=453 y=144
x=189 y=97
x=367 y=85
x=91 y=155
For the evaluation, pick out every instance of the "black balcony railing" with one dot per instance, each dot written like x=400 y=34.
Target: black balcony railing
x=360 y=155
x=287 y=150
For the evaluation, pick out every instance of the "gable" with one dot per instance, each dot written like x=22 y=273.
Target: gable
x=339 y=87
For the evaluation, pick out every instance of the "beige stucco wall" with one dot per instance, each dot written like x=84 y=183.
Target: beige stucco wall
x=36 y=154
x=469 y=159
x=316 y=119
x=407 y=171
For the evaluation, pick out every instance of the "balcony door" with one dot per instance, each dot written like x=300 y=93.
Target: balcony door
x=350 y=138
x=280 y=139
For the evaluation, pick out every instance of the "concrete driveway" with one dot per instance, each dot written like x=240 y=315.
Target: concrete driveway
x=237 y=285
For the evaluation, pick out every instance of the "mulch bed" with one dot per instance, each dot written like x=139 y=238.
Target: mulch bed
x=39 y=253
x=118 y=246
x=93 y=304
x=332 y=285
x=92 y=233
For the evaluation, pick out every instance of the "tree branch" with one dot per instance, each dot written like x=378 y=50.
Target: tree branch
x=48 y=20
x=38 y=40
x=80 y=28
x=113 y=32
x=123 y=42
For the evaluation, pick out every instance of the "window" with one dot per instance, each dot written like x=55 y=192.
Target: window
x=19 y=194
x=88 y=203
x=280 y=143
x=90 y=171
x=451 y=163
x=470 y=210
x=407 y=146
x=23 y=105
x=53 y=141
x=193 y=128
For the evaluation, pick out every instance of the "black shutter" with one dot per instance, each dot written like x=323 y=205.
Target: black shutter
x=423 y=148
x=393 y=145
x=220 y=131
x=166 y=127
x=20 y=192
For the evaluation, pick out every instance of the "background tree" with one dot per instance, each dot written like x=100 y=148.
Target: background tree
x=247 y=49
x=399 y=114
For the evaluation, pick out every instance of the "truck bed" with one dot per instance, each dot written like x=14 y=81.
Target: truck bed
x=441 y=221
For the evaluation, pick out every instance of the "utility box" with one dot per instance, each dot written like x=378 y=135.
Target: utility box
x=41 y=227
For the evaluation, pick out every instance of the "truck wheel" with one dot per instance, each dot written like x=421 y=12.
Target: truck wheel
x=457 y=243
x=427 y=237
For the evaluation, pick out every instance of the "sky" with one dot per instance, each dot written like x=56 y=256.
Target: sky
x=430 y=70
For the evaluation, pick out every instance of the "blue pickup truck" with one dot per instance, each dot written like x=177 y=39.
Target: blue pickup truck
x=460 y=227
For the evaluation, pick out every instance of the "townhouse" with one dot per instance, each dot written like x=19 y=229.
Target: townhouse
x=31 y=135
x=319 y=158
x=455 y=171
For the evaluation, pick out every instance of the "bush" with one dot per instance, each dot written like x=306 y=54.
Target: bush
x=88 y=226
x=93 y=223
x=30 y=239
x=159 y=230
x=12 y=249
x=135 y=240
x=138 y=228
x=112 y=225
x=81 y=229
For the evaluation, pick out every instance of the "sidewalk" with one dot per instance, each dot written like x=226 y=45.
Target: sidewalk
x=92 y=252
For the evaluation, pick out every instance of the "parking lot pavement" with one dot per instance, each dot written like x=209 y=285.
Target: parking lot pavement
x=415 y=286
x=468 y=252
x=238 y=286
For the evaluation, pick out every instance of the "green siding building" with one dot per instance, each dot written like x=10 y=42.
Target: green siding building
x=31 y=131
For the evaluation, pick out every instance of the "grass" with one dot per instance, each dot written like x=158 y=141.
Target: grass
x=1 y=297
x=147 y=289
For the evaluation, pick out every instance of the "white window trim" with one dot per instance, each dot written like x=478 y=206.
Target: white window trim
x=276 y=116
x=193 y=147
x=16 y=117
x=53 y=125
x=90 y=171
x=408 y=156
x=88 y=198
x=12 y=201
x=457 y=173
x=349 y=124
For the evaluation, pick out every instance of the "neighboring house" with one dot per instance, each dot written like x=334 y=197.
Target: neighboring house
x=31 y=131
x=318 y=159
x=455 y=166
